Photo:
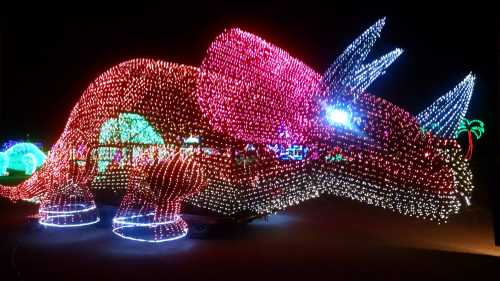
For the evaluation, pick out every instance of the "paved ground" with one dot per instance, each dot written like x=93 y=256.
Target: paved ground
x=327 y=238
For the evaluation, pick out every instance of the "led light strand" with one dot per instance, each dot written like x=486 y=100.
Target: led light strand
x=348 y=74
x=443 y=117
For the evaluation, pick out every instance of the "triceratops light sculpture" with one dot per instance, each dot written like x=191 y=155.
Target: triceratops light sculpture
x=266 y=132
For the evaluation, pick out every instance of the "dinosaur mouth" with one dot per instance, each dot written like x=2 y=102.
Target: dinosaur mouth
x=461 y=172
x=435 y=198
x=388 y=196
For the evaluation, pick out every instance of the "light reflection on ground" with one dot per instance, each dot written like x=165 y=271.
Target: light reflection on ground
x=281 y=219
x=322 y=234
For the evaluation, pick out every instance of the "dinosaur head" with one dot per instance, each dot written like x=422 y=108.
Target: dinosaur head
x=360 y=146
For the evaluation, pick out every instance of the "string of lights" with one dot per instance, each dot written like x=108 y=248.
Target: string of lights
x=443 y=117
x=348 y=74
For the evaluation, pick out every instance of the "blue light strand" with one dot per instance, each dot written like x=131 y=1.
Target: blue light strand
x=368 y=73
x=443 y=116
x=348 y=74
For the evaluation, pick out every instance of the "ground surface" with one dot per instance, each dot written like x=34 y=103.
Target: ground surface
x=328 y=238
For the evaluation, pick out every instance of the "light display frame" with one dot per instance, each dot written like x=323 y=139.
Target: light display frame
x=248 y=101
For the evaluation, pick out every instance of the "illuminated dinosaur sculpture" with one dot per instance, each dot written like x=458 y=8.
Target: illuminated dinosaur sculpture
x=243 y=110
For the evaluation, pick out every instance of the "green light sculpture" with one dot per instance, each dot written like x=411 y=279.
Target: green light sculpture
x=124 y=137
x=23 y=156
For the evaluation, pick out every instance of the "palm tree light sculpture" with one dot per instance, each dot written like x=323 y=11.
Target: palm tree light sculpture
x=472 y=127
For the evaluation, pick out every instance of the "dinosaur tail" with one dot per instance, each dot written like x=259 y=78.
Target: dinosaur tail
x=28 y=189
x=10 y=192
x=36 y=185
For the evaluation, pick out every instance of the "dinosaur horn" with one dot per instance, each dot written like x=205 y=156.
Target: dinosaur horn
x=443 y=116
x=349 y=74
x=367 y=73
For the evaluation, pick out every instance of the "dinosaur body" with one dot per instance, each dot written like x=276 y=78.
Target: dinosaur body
x=245 y=90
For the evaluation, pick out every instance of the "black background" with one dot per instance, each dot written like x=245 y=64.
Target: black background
x=49 y=56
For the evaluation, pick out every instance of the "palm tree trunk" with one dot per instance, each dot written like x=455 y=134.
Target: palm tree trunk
x=470 y=146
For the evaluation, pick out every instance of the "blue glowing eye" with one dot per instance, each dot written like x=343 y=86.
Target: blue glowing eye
x=338 y=116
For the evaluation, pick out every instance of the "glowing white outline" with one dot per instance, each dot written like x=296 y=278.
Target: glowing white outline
x=62 y=214
x=69 y=212
x=68 y=225
x=120 y=220
x=185 y=232
x=121 y=223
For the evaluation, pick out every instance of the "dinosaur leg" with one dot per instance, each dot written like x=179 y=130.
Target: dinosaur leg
x=68 y=203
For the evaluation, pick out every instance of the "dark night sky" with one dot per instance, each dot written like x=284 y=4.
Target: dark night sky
x=48 y=59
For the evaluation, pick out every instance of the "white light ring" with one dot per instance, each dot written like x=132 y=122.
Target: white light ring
x=69 y=212
x=59 y=216
x=134 y=216
x=68 y=225
x=120 y=221
x=183 y=234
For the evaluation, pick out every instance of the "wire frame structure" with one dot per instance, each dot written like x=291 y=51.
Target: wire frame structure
x=150 y=210
x=252 y=129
